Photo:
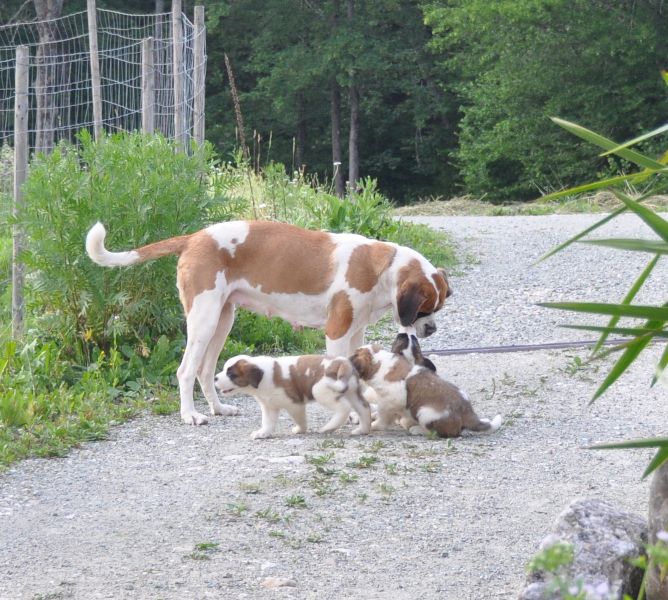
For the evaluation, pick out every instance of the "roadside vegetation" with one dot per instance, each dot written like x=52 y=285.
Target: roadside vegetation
x=102 y=344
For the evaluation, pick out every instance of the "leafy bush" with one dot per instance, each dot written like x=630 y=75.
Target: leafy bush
x=655 y=325
x=143 y=190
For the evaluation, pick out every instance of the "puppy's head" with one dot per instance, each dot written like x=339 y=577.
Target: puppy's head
x=407 y=345
x=419 y=296
x=238 y=373
x=365 y=362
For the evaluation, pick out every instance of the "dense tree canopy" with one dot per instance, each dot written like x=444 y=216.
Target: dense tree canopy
x=438 y=97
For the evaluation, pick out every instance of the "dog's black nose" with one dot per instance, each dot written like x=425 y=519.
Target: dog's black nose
x=429 y=329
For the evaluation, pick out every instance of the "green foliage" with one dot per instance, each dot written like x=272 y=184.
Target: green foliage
x=516 y=63
x=143 y=190
x=655 y=325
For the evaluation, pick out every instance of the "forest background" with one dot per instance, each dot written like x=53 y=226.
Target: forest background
x=433 y=98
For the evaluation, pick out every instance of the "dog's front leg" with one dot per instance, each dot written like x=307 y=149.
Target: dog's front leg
x=269 y=420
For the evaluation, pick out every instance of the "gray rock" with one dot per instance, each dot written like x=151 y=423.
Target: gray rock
x=604 y=539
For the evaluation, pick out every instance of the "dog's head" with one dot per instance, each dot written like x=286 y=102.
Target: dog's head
x=239 y=372
x=419 y=296
x=407 y=345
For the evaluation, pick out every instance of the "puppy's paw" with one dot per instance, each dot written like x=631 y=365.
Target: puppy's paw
x=298 y=429
x=194 y=418
x=360 y=431
x=225 y=410
x=417 y=430
x=378 y=425
x=260 y=434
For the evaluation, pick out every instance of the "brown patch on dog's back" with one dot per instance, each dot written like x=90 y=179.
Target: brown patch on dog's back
x=302 y=377
x=274 y=257
x=400 y=369
x=339 y=316
x=367 y=263
x=283 y=259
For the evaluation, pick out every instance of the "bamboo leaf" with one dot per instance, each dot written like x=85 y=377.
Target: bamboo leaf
x=590 y=136
x=640 y=138
x=632 y=351
x=632 y=331
x=658 y=224
x=631 y=294
x=661 y=366
x=661 y=442
x=633 y=245
x=659 y=458
x=637 y=311
x=632 y=178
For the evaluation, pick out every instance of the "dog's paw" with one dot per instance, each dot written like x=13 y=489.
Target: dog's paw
x=194 y=418
x=225 y=410
x=378 y=426
x=417 y=430
x=298 y=429
x=360 y=431
x=260 y=434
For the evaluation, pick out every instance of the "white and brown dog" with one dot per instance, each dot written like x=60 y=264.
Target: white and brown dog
x=341 y=282
x=410 y=391
x=289 y=382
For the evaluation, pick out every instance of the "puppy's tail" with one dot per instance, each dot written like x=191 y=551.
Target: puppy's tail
x=100 y=255
x=473 y=423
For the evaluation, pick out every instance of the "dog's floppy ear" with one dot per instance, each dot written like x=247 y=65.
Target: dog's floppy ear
x=418 y=357
x=409 y=301
x=362 y=361
x=252 y=374
x=442 y=283
x=401 y=343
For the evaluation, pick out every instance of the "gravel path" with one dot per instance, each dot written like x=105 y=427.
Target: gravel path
x=162 y=510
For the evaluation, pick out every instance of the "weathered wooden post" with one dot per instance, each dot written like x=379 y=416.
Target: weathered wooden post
x=20 y=168
x=147 y=86
x=178 y=72
x=200 y=73
x=96 y=83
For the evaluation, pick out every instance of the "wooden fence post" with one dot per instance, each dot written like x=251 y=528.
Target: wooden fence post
x=96 y=83
x=147 y=86
x=200 y=72
x=178 y=72
x=20 y=168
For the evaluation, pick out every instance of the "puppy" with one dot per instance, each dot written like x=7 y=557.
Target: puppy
x=414 y=394
x=290 y=382
x=407 y=345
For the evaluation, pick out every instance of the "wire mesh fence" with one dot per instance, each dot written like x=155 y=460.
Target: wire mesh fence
x=60 y=94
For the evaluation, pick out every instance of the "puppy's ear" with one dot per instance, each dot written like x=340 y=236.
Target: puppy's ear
x=250 y=373
x=362 y=360
x=420 y=358
x=400 y=343
x=409 y=301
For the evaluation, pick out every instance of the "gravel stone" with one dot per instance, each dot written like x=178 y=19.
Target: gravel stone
x=165 y=511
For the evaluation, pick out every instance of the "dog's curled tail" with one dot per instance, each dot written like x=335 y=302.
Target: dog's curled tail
x=100 y=255
x=485 y=425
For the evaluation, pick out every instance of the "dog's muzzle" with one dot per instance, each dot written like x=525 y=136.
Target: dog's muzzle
x=425 y=326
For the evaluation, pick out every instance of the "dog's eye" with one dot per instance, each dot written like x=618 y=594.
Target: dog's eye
x=231 y=374
x=422 y=315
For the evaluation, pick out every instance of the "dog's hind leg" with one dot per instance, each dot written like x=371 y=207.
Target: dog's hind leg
x=361 y=407
x=201 y=327
x=207 y=371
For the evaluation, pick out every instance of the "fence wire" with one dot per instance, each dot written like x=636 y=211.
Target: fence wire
x=60 y=95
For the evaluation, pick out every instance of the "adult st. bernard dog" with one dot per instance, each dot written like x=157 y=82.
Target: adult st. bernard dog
x=310 y=278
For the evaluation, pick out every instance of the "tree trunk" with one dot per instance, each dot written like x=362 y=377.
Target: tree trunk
x=45 y=80
x=300 y=134
x=354 y=97
x=335 y=96
x=657 y=588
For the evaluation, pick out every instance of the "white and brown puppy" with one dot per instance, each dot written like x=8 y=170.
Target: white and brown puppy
x=341 y=282
x=290 y=382
x=414 y=394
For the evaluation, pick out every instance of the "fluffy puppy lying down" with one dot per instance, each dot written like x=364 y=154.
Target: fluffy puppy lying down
x=411 y=392
x=290 y=382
